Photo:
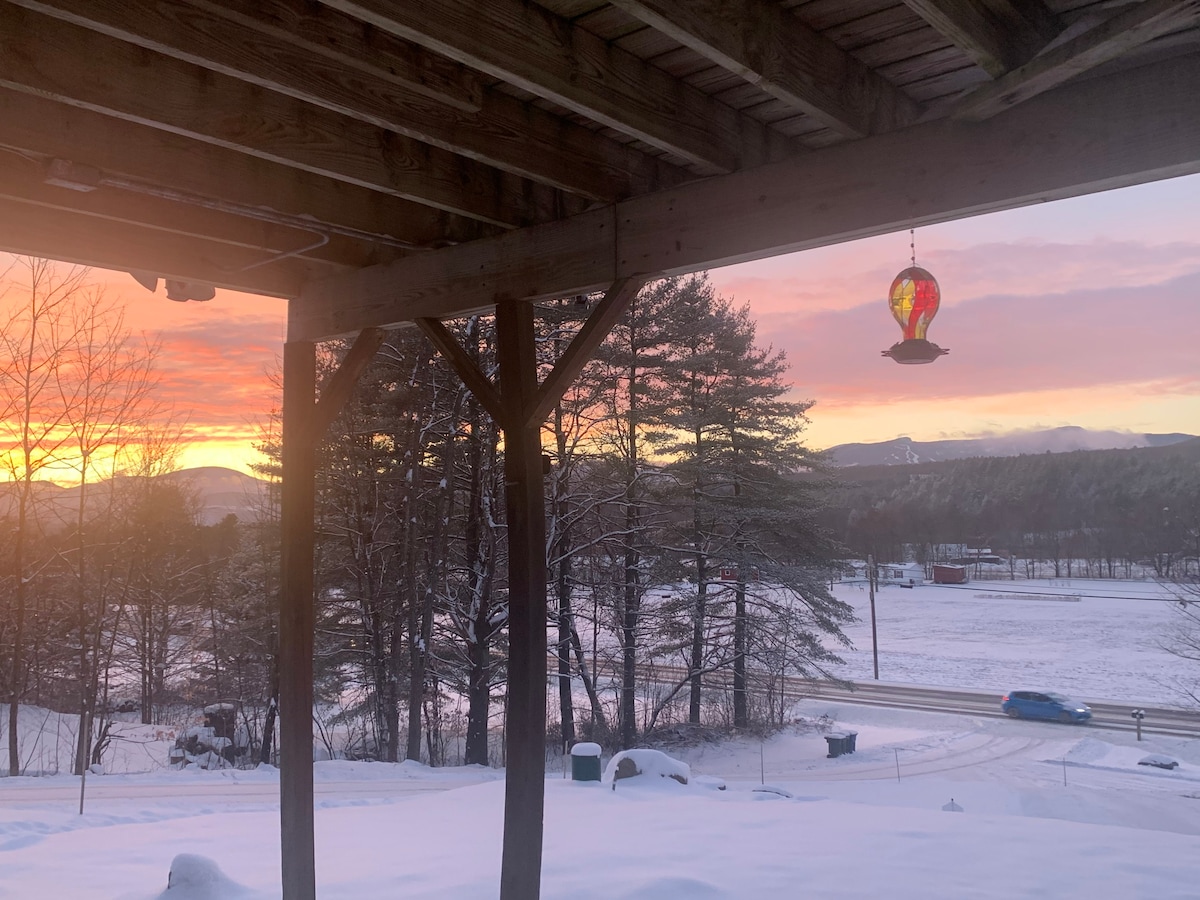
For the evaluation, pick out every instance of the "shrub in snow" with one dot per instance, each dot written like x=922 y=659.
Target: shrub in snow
x=629 y=763
x=219 y=743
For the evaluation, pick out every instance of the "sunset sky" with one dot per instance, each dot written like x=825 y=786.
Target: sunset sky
x=1082 y=312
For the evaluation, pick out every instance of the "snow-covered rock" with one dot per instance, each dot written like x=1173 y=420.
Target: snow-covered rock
x=629 y=763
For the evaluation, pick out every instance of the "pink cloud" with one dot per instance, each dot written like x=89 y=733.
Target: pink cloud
x=1000 y=344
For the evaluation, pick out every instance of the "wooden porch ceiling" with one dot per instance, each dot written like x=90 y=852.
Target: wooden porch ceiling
x=385 y=161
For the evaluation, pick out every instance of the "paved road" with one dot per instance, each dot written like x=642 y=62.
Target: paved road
x=1105 y=714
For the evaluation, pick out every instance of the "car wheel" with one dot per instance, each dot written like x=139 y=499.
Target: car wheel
x=1065 y=717
x=1013 y=712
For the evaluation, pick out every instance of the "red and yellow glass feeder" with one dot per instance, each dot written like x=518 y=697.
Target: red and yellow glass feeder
x=914 y=299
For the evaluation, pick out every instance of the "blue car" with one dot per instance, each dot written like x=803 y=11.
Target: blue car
x=1037 y=705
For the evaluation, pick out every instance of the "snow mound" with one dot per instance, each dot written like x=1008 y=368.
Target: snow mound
x=1088 y=750
x=195 y=877
x=629 y=763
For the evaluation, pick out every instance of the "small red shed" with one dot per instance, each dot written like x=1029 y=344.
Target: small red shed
x=947 y=574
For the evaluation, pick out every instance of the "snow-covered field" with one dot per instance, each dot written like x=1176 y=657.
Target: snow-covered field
x=1095 y=640
x=1049 y=810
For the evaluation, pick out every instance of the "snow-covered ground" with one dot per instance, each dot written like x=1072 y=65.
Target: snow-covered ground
x=850 y=828
x=1049 y=810
x=1095 y=640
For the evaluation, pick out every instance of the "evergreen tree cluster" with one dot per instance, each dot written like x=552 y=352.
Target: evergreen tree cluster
x=1100 y=513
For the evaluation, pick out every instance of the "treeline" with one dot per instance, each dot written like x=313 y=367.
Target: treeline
x=1097 y=513
x=677 y=535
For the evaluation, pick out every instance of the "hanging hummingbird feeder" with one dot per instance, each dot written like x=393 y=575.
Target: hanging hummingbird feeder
x=914 y=299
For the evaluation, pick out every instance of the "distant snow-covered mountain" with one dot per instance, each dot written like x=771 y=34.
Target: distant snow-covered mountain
x=219 y=492
x=903 y=450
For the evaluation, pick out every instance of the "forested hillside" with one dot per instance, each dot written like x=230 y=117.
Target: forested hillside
x=1105 y=510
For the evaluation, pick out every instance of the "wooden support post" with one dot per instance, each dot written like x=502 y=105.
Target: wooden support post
x=525 y=736
x=304 y=422
x=296 y=621
x=519 y=406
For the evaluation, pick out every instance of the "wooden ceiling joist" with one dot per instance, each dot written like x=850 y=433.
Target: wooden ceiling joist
x=529 y=47
x=497 y=130
x=225 y=111
x=999 y=35
x=772 y=49
x=270 y=239
x=1103 y=42
x=1098 y=134
x=43 y=130
x=34 y=230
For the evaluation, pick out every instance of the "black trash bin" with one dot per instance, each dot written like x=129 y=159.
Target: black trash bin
x=850 y=738
x=585 y=762
x=837 y=744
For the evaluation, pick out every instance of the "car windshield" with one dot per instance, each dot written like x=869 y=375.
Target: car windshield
x=1059 y=698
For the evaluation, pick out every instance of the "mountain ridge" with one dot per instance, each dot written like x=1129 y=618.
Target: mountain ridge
x=1068 y=438
x=219 y=492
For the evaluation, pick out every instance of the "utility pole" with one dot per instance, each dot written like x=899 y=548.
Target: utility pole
x=871 y=594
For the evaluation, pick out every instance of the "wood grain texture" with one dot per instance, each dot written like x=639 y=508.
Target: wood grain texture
x=1098 y=134
x=37 y=230
x=775 y=51
x=998 y=35
x=1109 y=39
x=525 y=516
x=48 y=57
x=23 y=179
x=448 y=346
x=45 y=129
x=48 y=130
x=297 y=623
x=526 y=45
x=496 y=130
x=340 y=387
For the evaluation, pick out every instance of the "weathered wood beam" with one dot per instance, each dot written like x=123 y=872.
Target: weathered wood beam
x=998 y=35
x=1111 y=38
x=297 y=623
x=1096 y=134
x=56 y=59
x=305 y=420
x=525 y=515
x=462 y=363
x=48 y=130
x=341 y=384
x=240 y=39
x=527 y=45
x=324 y=32
x=24 y=179
x=583 y=347
x=319 y=32
x=770 y=47
x=38 y=230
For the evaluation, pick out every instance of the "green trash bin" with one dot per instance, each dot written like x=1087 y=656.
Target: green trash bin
x=585 y=762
